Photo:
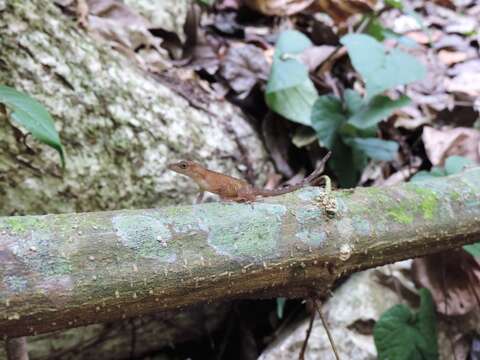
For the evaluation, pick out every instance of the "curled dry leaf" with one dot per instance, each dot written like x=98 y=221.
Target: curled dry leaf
x=440 y=144
x=243 y=66
x=314 y=56
x=451 y=57
x=466 y=79
x=338 y=10
x=341 y=10
x=453 y=278
x=126 y=30
x=401 y=175
x=278 y=7
x=431 y=90
x=206 y=53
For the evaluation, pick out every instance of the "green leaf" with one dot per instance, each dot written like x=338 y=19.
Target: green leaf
x=397 y=4
x=453 y=165
x=33 y=116
x=327 y=117
x=400 y=334
x=473 y=249
x=343 y=164
x=379 y=32
x=206 y=2
x=456 y=164
x=374 y=148
x=428 y=175
x=280 y=307
x=290 y=92
x=353 y=101
x=378 y=109
x=381 y=69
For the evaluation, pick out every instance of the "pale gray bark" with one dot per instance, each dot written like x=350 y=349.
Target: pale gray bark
x=119 y=125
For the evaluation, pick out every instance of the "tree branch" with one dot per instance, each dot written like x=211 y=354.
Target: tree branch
x=61 y=271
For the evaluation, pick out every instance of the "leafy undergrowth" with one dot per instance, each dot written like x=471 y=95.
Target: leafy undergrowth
x=392 y=88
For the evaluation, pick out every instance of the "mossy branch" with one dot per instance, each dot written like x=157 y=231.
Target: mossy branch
x=60 y=271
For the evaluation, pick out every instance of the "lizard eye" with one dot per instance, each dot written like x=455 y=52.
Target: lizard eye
x=183 y=166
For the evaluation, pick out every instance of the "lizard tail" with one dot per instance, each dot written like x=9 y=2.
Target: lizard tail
x=313 y=179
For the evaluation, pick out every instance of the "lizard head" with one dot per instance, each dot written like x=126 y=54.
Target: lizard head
x=185 y=167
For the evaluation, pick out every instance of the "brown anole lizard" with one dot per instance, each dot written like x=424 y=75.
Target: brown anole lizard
x=233 y=189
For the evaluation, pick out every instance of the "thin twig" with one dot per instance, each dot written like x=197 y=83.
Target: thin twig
x=301 y=356
x=330 y=338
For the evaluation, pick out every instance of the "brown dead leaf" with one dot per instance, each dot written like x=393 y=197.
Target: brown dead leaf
x=431 y=90
x=341 y=10
x=452 y=277
x=424 y=38
x=126 y=30
x=314 y=56
x=451 y=57
x=410 y=117
x=278 y=7
x=466 y=79
x=243 y=66
x=206 y=53
x=227 y=4
x=440 y=144
x=401 y=175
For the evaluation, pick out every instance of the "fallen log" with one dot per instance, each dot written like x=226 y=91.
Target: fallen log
x=62 y=271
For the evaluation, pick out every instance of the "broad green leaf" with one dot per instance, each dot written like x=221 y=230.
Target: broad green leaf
x=428 y=175
x=381 y=69
x=343 y=165
x=456 y=164
x=206 y=2
x=281 y=306
x=453 y=165
x=400 y=334
x=374 y=148
x=397 y=4
x=353 y=101
x=33 y=116
x=327 y=117
x=290 y=92
x=378 y=109
x=473 y=249
x=379 y=32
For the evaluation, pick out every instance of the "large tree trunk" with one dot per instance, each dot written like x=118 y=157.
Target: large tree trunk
x=63 y=271
x=119 y=125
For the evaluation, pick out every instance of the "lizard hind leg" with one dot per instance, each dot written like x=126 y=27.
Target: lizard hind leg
x=245 y=196
x=200 y=197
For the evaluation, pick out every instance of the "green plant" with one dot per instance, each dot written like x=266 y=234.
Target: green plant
x=402 y=334
x=33 y=116
x=347 y=126
x=290 y=92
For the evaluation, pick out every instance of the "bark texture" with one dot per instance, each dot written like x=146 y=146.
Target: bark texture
x=119 y=125
x=63 y=271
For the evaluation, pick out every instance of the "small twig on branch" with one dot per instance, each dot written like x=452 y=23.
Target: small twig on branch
x=301 y=356
x=330 y=338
